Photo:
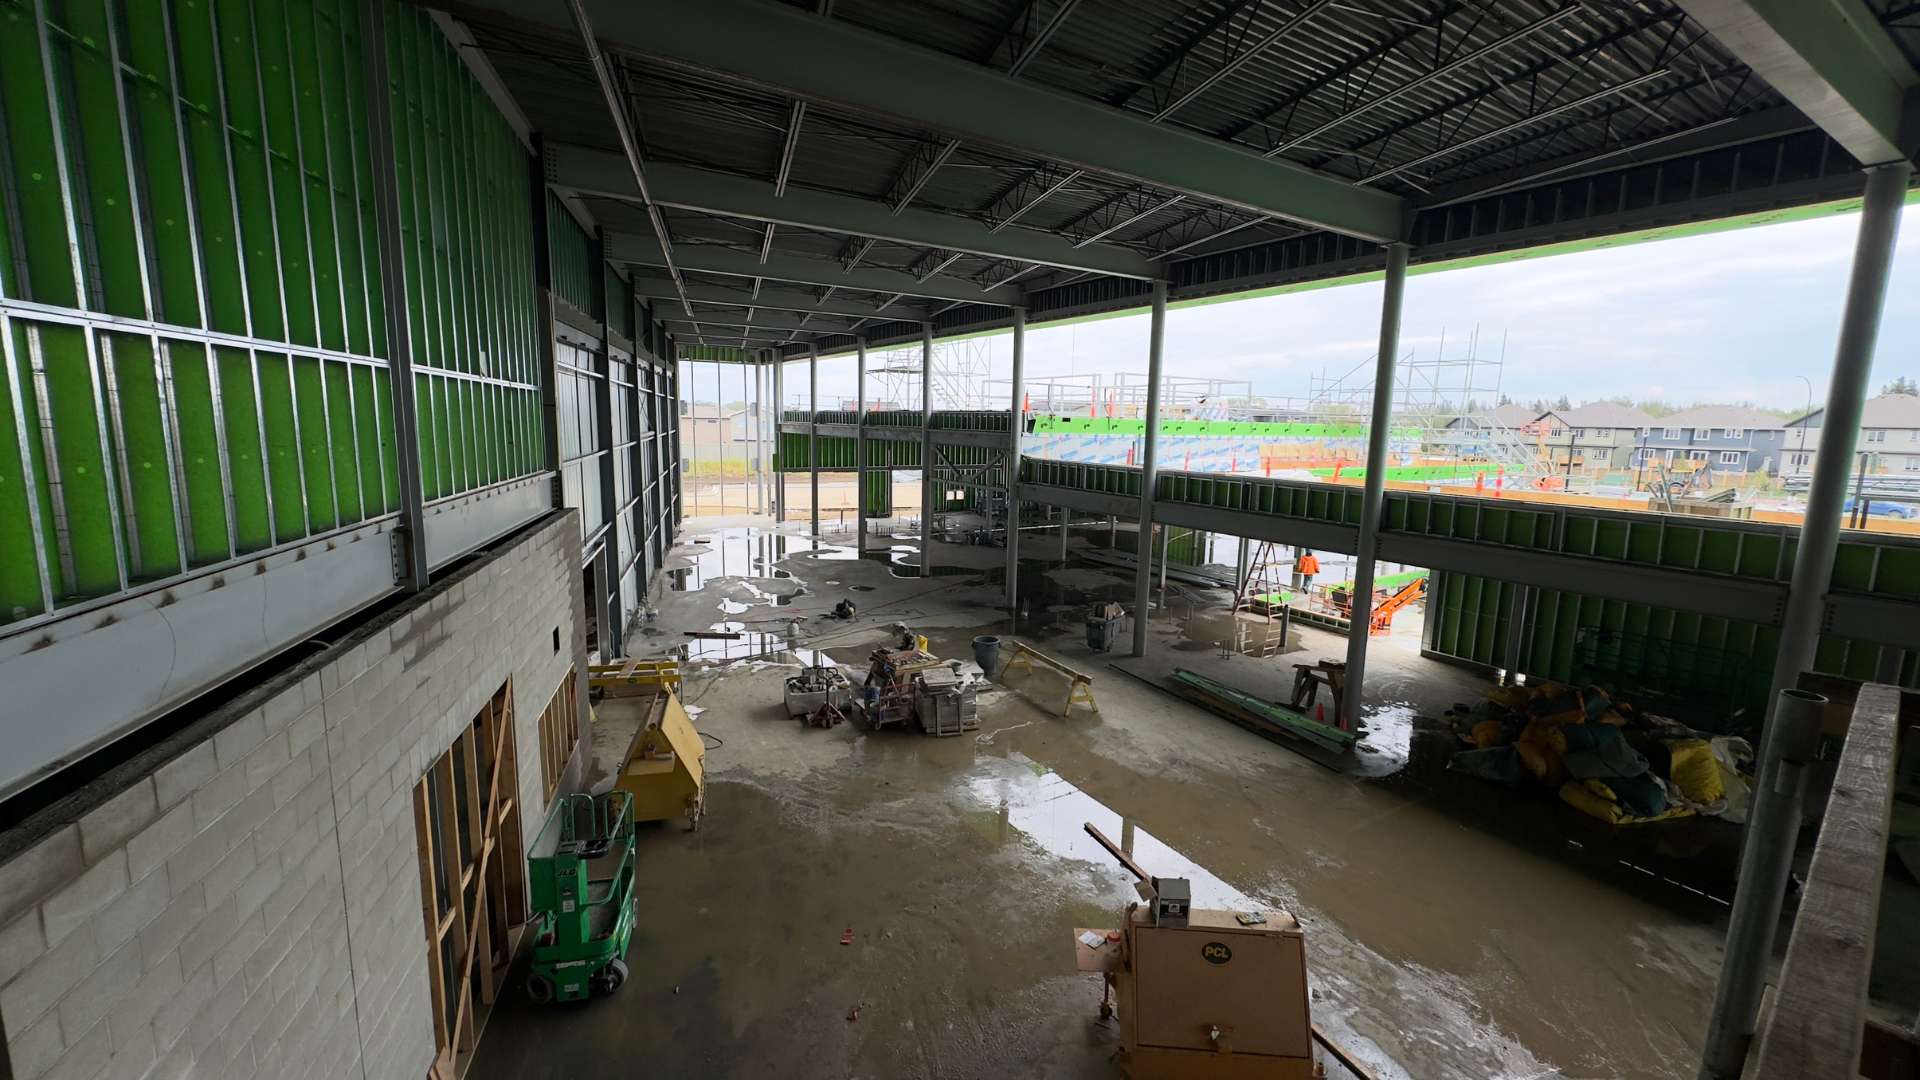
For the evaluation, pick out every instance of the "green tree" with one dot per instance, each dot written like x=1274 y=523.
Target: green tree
x=1901 y=385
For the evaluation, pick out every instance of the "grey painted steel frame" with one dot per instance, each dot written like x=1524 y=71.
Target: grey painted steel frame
x=1373 y=500
x=1737 y=999
x=1149 y=471
x=1016 y=429
x=926 y=449
x=860 y=448
x=813 y=437
x=413 y=536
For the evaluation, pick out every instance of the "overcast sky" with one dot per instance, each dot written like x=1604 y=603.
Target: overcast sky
x=1732 y=316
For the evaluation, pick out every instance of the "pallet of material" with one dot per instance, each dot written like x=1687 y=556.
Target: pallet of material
x=1265 y=717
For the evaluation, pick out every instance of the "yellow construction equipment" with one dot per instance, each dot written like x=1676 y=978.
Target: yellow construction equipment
x=632 y=678
x=663 y=768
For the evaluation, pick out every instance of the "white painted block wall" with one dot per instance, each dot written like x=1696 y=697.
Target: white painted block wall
x=250 y=906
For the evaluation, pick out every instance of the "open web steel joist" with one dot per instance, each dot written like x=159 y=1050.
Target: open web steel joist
x=952 y=161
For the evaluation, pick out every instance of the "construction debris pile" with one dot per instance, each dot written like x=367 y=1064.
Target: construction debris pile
x=1601 y=755
x=913 y=684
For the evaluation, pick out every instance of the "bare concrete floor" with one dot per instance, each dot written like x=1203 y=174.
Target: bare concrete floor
x=1438 y=947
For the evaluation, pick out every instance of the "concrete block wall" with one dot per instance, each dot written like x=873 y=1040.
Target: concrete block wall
x=244 y=900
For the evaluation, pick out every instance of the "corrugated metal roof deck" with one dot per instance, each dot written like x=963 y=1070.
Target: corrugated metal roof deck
x=1432 y=100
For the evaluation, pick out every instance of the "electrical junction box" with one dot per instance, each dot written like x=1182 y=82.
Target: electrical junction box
x=1173 y=898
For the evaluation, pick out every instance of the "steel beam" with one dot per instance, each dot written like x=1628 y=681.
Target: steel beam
x=768 y=299
x=643 y=250
x=1149 y=466
x=1833 y=60
x=755 y=41
x=611 y=89
x=775 y=322
x=604 y=174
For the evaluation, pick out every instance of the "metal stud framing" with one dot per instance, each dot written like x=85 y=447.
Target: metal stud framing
x=198 y=366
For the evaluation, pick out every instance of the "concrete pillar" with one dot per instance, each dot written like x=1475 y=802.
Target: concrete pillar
x=1374 y=497
x=1241 y=569
x=859 y=448
x=926 y=449
x=1756 y=908
x=813 y=435
x=1149 y=455
x=1017 y=425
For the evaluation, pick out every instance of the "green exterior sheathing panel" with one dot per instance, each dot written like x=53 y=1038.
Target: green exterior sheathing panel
x=278 y=423
x=141 y=443
x=22 y=482
x=208 y=166
x=240 y=409
x=1731 y=659
x=199 y=452
x=35 y=182
x=65 y=369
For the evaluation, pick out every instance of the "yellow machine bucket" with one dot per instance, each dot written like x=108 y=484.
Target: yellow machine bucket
x=662 y=768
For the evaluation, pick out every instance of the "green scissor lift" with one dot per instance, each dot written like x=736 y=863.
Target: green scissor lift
x=583 y=898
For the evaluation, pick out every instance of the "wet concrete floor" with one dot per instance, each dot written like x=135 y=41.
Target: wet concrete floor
x=1438 y=947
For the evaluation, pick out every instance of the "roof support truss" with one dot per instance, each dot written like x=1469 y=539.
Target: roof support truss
x=596 y=172
x=756 y=41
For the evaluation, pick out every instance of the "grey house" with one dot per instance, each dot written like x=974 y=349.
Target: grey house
x=1729 y=438
x=1889 y=437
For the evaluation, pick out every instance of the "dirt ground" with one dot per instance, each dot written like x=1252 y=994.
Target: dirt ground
x=1440 y=943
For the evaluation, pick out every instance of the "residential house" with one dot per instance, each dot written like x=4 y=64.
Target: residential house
x=1889 y=438
x=1726 y=438
x=1591 y=438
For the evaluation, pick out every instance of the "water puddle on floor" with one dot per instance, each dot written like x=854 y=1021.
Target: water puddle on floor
x=1052 y=813
x=745 y=553
x=1386 y=739
x=733 y=643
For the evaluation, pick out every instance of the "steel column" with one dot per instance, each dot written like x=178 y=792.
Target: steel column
x=780 y=460
x=1149 y=469
x=748 y=414
x=1017 y=425
x=860 y=447
x=813 y=436
x=612 y=606
x=1840 y=425
x=1374 y=498
x=926 y=449
x=1756 y=903
x=386 y=208
x=1773 y=826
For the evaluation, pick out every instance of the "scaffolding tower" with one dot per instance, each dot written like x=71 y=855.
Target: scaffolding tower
x=960 y=370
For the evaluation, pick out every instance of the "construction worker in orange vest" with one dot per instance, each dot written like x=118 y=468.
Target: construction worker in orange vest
x=1305 y=567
